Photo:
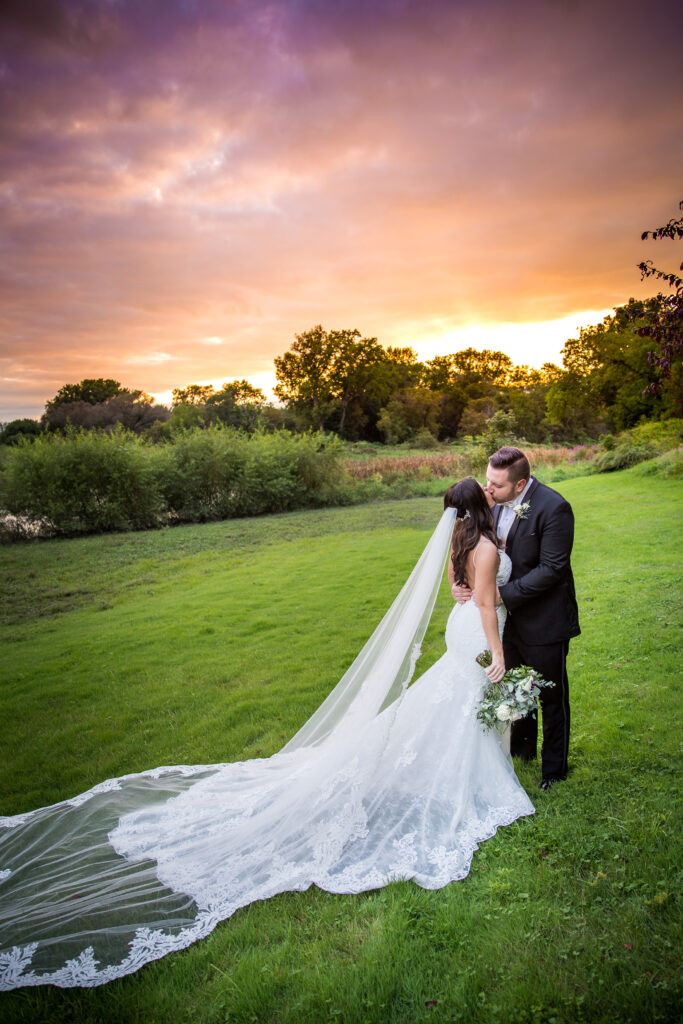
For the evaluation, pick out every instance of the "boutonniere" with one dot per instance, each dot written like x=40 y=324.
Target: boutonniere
x=522 y=510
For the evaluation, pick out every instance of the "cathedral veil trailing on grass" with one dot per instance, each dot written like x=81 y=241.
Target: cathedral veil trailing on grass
x=382 y=782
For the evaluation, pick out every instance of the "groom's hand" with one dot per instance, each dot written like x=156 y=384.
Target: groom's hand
x=461 y=593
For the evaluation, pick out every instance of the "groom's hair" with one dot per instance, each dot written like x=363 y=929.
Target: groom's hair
x=514 y=461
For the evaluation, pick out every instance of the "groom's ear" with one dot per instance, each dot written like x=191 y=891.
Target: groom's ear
x=520 y=485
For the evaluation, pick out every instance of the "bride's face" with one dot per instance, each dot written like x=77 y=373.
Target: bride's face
x=489 y=498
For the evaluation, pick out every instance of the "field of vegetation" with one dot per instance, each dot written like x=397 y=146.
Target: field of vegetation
x=76 y=482
x=215 y=642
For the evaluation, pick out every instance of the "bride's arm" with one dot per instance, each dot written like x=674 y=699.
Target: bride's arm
x=485 y=588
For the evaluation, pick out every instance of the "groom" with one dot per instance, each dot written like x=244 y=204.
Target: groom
x=536 y=525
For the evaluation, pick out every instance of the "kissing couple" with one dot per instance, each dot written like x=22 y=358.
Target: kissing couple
x=535 y=527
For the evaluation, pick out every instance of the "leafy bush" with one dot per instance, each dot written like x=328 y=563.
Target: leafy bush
x=16 y=429
x=219 y=472
x=501 y=429
x=622 y=456
x=203 y=469
x=666 y=434
x=88 y=482
x=424 y=440
x=80 y=482
x=283 y=472
x=670 y=464
x=637 y=445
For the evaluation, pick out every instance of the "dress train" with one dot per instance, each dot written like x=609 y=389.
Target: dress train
x=93 y=888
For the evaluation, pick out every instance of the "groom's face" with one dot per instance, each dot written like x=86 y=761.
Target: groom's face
x=500 y=487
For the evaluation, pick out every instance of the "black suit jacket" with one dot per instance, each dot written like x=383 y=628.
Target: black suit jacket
x=540 y=596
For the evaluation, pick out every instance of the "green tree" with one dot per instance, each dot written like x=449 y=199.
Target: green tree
x=661 y=318
x=409 y=412
x=14 y=430
x=486 y=366
x=303 y=374
x=441 y=376
x=184 y=416
x=397 y=369
x=470 y=383
x=349 y=371
x=476 y=415
x=134 y=410
x=237 y=404
x=527 y=377
x=324 y=372
x=92 y=391
x=393 y=370
x=468 y=367
x=525 y=400
x=438 y=374
x=193 y=394
x=606 y=376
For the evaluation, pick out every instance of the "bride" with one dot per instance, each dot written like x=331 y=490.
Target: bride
x=385 y=781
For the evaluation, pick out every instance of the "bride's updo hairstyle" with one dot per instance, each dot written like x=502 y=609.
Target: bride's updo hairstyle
x=473 y=521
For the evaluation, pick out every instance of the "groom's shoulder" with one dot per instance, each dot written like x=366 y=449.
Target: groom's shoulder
x=549 y=497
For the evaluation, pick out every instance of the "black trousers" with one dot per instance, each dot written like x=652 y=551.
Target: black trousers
x=551 y=661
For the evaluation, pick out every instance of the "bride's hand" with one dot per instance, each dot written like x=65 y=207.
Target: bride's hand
x=496 y=669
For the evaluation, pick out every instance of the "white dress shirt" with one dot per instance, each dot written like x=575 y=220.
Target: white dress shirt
x=507 y=513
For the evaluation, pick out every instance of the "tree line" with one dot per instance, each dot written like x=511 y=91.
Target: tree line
x=614 y=375
x=343 y=383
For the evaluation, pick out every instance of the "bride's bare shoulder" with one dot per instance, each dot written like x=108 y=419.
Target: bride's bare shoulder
x=486 y=544
x=487 y=552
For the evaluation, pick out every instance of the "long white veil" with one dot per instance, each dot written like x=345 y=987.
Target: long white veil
x=385 y=666
x=94 y=887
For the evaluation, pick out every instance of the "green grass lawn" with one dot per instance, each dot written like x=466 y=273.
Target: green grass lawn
x=215 y=642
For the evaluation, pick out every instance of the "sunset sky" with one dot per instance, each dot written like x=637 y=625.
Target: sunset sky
x=186 y=184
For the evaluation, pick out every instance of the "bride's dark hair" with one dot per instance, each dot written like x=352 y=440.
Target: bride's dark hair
x=474 y=520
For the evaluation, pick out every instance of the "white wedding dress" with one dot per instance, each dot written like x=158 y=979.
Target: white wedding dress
x=93 y=888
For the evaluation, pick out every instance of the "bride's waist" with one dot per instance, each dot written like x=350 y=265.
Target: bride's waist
x=469 y=610
x=465 y=619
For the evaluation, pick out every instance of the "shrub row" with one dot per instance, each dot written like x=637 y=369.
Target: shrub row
x=90 y=482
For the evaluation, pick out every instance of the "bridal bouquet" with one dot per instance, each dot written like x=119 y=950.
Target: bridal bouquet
x=515 y=696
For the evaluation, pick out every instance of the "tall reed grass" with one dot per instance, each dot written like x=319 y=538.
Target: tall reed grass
x=452 y=464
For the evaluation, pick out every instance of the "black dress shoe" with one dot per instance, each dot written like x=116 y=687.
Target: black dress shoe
x=547 y=784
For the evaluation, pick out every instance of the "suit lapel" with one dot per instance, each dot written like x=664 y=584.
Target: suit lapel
x=511 y=533
x=517 y=520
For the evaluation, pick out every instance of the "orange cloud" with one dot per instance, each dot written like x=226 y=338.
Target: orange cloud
x=242 y=171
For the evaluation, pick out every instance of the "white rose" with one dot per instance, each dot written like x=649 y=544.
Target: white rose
x=503 y=713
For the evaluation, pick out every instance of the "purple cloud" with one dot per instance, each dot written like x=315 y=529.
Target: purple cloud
x=176 y=171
